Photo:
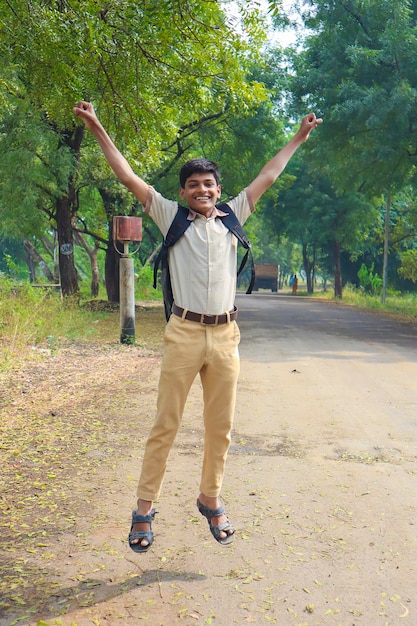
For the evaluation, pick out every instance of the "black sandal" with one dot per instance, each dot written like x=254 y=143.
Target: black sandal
x=141 y=534
x=216 y=530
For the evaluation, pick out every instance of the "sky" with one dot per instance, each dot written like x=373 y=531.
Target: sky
x=283 y=38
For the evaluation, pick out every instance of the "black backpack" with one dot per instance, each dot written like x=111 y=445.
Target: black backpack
x=179 y=225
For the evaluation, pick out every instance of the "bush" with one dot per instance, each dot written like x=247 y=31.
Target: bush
x=369 y=282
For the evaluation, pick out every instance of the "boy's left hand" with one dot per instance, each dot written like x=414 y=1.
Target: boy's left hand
x=309 y=122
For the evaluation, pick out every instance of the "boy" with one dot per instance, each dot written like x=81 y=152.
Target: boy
x=201 y=336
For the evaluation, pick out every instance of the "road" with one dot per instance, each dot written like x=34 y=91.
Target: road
x=320 y=483
x=333 y=391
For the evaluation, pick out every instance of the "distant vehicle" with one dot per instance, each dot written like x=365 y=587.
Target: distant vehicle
x=266 y=276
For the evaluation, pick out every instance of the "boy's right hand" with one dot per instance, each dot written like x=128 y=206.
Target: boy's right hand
x=85 y=111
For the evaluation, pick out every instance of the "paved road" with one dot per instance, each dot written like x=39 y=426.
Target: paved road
x=357 y=366
x=266 y=315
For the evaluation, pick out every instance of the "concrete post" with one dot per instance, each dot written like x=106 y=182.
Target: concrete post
x=127 y=301
x=126 y=229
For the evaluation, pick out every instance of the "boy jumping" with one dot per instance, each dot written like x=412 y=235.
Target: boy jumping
x=202 y=335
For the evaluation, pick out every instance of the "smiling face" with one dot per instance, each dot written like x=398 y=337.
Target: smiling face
x=201 y=192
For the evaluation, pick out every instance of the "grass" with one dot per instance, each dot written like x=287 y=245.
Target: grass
x=401 y=305
x=35 y=320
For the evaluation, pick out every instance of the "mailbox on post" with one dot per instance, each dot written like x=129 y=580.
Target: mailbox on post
x=125 y=230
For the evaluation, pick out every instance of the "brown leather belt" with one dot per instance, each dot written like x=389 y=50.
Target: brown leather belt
x=209 y=320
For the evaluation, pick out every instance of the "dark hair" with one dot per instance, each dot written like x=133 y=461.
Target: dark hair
x=199 y=166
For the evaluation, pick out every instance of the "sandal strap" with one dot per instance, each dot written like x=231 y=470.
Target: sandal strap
x=141 y=534
x=216 y=530
x=225 y=526
x=141 y=519
x=209 y=513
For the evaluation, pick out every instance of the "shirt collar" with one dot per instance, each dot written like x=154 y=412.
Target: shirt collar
x=214 y=213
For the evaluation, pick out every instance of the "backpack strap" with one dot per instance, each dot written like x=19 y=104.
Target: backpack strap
x=179 y=225
x=232 y=223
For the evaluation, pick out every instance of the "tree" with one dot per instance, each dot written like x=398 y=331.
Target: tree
x=166 y=67
x=35 y=257
x=358 y=67
x=308 y=210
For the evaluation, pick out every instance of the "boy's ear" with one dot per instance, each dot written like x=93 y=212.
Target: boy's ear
x=182 y=192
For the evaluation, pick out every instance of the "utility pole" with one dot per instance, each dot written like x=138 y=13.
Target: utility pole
x=386 y=246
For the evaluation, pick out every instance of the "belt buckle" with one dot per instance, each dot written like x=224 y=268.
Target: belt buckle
x=204 y=323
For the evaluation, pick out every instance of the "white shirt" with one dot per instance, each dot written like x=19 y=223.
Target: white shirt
x=203 y=261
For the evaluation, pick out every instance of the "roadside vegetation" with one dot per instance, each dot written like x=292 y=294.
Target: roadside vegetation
x=403 y=305
x=35 y=321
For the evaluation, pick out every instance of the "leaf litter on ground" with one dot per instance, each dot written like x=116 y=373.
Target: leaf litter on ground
x=59 y=426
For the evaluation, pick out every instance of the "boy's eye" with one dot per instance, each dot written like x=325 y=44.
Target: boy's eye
x=209 y=184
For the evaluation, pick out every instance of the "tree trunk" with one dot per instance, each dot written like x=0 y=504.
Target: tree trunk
x=51 y=247
x=308 y=269
x=68 y=273
x=151 y=258
x=338 y=291
x=111 y=269
x=36 y=257
x=48 y=244
x=95 y=274
x=56 y=257
x=31 y=267
x=111 y=203
x=66 y=209
x=92 y=255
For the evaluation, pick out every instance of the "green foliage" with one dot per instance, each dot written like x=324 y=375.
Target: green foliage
x=157 y=66
x=14 y=270
x=408 y=267
x=175 y=81
x=12 y=249
x=28 y=194
x=358 y=68
x=402 y=304
x=144 y=285
x=157 y=73
x=36 y=319
x=369 y=281
x=306 y=208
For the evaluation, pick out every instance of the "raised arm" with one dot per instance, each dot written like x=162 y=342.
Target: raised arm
x=270 y=172
x=116 y=160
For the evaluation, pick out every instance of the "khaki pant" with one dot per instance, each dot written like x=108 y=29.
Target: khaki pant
x=190 y=349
